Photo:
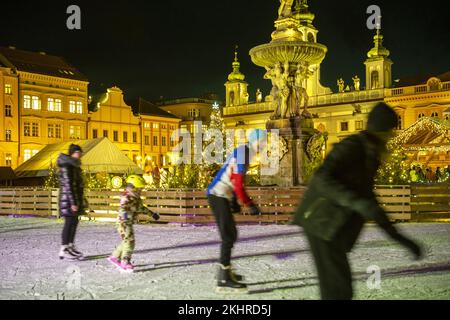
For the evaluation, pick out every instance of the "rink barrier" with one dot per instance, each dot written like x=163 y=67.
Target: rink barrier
x=191 y=206
x=430 y=202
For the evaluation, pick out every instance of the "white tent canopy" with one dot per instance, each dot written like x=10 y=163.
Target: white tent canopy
x=99 y=155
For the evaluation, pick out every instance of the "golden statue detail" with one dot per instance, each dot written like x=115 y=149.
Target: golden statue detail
x=285 y=10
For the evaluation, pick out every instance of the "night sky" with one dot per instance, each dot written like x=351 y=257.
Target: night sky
x=176 y=48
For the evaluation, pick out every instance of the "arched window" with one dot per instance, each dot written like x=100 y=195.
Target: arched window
x=374 y=79
x=232 y=98
x=311 y=37
x=435 y=115
x=421 y=115
x=434 y=84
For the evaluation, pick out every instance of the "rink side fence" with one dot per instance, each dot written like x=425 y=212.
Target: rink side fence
x=403 y=203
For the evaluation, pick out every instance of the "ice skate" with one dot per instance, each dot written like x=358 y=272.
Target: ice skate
x=66 y=254
x=126 y=266
x=227 y=283
x=74 y=251
x=114 y=261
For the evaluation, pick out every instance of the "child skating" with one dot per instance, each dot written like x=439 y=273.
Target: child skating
x=130 y=206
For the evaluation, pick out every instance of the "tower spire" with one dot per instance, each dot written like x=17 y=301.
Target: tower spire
x=236 y=74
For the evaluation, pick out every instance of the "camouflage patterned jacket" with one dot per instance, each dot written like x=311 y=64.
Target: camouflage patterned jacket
x=130 y=206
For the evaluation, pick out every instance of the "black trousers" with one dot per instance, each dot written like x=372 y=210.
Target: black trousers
x=332 y=267
x=69 y=230
x=227 y=227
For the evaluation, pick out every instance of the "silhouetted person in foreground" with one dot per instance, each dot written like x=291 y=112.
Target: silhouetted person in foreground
x=340 y=199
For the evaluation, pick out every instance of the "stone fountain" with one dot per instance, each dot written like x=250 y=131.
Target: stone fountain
x=288 y=59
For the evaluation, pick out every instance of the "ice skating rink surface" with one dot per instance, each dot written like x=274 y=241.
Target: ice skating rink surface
x=174 y=262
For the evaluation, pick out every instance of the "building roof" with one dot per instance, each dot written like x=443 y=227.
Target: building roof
x=426 y=131
x=421 y=79
x=99 y=155
x=40 y=63
x=144 y=107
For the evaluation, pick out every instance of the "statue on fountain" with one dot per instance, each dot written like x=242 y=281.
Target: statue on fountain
x=300 y=92
x=281 y=90
x=285 y=10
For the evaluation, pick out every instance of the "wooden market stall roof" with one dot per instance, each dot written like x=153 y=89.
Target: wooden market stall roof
x=427 y=133
x=99 y=155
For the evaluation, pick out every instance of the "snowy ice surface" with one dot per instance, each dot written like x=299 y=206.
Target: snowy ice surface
x=178 y=263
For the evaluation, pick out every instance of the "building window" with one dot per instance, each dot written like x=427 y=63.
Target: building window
x=155 y=125
x=54 y=131
x=116 y=136
x=8 y=135
x=146 y=125
x=94 y=134
x=134 y=137
x=400 y=123
x=58 y=131
x=79 y=107
x=105 y=133
x=75 y=132
x=359 y=125
x=375 y=78
x=35 y=129
x=125 y=136
x=27 y=129
x=147 y=140
x=344 y=126
x=155 y=141
x=72 y=106
x=8 y=111
x=8 y=159
x=194 y=113
x=35 y=103
x=27 y=102
x=51 y=130
x=51 y=104
x=435 y=115
x=421 y=115
x=172 y=143
x=163 y=126
x=163 y=141
x=58 y=105
x=8 y=89
x=26 y=154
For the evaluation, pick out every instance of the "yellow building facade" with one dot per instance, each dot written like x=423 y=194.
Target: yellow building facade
x=114 y=119
x=9 y=120
x=51 y=100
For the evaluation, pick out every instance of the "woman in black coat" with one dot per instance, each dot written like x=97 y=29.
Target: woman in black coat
x=71 y=197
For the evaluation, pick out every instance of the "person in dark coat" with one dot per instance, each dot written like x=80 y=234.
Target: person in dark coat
x=71 y=199
x=340 y=199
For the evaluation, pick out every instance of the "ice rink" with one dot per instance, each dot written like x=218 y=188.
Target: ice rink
x=174 y=262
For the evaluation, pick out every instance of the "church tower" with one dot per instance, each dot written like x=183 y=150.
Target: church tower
x=236 y=87
x=378 y=65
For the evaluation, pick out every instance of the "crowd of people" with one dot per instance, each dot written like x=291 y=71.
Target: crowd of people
x=422 y=174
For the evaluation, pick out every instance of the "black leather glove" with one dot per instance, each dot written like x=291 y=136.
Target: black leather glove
x=254 y=210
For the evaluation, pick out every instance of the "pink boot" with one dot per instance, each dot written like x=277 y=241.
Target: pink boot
x=115 y=261
x=127 y=266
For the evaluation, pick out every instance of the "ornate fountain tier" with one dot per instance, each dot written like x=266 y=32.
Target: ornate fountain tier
x=294 y=52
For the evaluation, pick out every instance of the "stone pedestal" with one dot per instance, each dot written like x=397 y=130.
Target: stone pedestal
x=290 y=173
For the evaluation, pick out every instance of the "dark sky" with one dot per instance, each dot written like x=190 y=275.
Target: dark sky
x=176 y=48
